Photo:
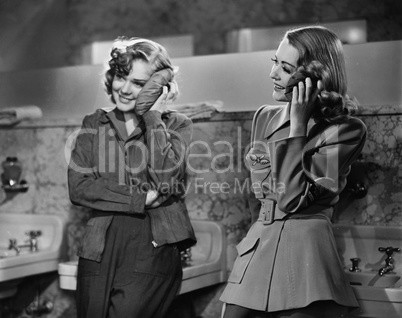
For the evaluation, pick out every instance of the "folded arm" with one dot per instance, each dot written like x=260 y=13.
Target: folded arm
x=168 y=145
x=88 y=188
x=305 y=169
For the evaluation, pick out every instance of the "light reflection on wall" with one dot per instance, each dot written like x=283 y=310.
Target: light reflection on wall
x=261 y=39
x=177 y=46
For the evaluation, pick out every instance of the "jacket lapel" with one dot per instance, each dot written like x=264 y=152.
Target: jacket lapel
x=277 y=121
x=116 y=117
x=280 y=119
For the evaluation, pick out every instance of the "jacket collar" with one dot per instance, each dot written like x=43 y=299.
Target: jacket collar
x=116 y=117
x=278 y=120
x=281 y=118
x=104 y=119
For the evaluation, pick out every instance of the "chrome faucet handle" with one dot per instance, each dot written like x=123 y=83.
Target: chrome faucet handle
x=14 y=246
x=186 y=257
x=13 y=243
x=33 y=242
x=33 y=234
x=355 y=265
x=389 y=250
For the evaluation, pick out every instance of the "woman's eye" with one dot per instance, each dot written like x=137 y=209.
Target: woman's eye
x=139 y=84
x=119 y=76
x=285 y=69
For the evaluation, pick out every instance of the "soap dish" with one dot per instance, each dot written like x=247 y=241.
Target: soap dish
x=21 y=187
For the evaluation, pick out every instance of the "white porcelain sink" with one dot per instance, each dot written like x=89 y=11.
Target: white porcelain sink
x=6 y=252
x=372 y=279
x=206 y=267
x=13 y=265
x=377 y=302
x=378 y=297
x=208 y=257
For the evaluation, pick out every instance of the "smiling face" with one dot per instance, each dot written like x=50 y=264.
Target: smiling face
x=125 y=89
x=285 y=64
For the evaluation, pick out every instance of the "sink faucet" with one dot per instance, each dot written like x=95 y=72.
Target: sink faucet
x=186 y=257
x=14 y=246
x=31 y=243
x=389 y=261
x=355 y=265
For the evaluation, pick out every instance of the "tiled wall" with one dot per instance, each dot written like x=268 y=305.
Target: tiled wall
x=217 y=177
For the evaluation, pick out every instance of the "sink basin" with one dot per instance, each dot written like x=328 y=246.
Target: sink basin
x=13 y=265
x=378 y=296
x=5 y=252
x=206 y=267
x=208 y=257
x=378 y=302
x=372 y=279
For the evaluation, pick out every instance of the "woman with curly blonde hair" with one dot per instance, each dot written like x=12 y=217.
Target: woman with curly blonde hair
x=128 y=166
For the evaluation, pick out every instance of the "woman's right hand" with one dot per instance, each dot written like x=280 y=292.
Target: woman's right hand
x=167 y=97
x=302 y=104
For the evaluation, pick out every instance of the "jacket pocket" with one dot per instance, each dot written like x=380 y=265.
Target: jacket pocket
x=88 y=267
x=171 y=225
x=246 y=249
x=93 y=241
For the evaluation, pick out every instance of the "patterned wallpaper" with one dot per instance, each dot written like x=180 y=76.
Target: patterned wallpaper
x=217 y=177
x=380 y=168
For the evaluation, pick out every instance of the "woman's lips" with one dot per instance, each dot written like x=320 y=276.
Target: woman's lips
x=278 y=88
x=125 y=100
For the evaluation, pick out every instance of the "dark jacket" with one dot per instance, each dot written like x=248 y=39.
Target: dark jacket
x=111 y=172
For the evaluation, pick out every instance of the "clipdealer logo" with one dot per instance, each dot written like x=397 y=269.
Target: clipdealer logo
x=198 y=159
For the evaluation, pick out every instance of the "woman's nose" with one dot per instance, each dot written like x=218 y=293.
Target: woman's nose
x=273 y=74
x=126 y=88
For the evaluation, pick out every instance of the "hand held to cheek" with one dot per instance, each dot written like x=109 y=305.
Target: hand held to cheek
x=294 y=81
x=151 y=91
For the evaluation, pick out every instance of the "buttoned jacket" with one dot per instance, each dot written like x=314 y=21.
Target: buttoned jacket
x=111 y=172
x=291 y=260
x=304 y=175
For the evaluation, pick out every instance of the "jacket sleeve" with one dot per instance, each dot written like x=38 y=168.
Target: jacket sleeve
x=168 y=148
x=305 y=169
x=88 y=188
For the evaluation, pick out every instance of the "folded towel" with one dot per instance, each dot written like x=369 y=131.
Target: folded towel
x=13 y=115
x=195 y=110
x=191 y=110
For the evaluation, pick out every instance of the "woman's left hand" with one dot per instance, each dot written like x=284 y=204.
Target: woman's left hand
x=152 y=195
x=167 y=97
x=151 y=202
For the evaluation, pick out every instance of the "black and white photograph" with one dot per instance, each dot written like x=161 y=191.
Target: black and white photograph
x=200 y=159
